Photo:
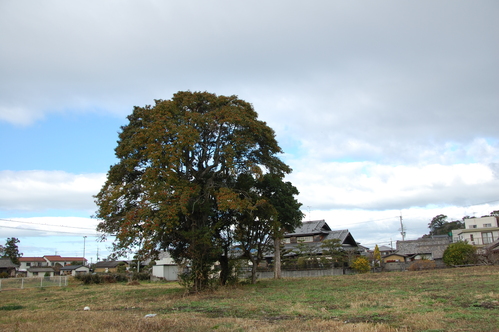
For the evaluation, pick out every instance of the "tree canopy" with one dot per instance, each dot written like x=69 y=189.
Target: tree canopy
x=11 y=250
x=440 y=226
x=177 y=184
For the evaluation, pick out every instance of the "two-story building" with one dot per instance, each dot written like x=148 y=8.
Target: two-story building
x=50 y=264
x=478 y=231
x=314 y=233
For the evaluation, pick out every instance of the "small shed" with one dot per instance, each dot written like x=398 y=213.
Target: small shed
x=74 y=270
x=165 y=268
x=8 y=267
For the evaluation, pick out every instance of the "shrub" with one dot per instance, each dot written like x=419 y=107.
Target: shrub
x=460 y=253
x=88 y=278
x=361 y=265
x=423 y=264
x=4 y=275
x=141 y=276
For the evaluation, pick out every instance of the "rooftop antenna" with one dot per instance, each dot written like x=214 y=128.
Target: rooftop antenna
x=402 y=230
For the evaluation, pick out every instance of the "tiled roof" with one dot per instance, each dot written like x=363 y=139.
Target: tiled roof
x=7 y=263
x=32 y=259
x=435 y=246
x=57 y=258
x=108 y=264
x=310 y=227
x=70 y=267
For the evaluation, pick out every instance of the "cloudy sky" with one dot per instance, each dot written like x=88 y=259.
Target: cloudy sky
x=383 y=108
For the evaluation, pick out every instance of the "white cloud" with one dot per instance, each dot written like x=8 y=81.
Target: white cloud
x=370 y=186
x=45 y=190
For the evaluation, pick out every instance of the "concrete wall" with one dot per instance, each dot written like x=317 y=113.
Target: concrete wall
x=300 y=273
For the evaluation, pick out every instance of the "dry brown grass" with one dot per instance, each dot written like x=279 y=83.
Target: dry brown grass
x=442 y=300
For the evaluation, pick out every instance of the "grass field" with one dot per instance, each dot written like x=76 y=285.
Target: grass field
x=461 y=299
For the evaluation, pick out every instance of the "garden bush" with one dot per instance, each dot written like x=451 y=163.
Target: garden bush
x=423 y=264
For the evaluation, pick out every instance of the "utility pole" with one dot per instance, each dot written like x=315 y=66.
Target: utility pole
x=402 y=230
x=84 y=238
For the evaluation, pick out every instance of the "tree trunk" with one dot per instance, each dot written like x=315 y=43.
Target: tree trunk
x=277 y=258
x=224 y=269
x=253 y=274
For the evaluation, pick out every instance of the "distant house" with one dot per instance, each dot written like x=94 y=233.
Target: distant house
x=314 y=233
x=27 y=262
x=478 y=231
x=6 y=266
x=385 y=251
x=41 y=271
x=109 y=266
x=425 y=248
x=395 y=258
x=54 y=261
x=74 y=270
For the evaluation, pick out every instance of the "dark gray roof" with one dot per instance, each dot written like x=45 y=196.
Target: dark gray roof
x=70 y=267
x=434 y=246
x=320 y=227
x=493 y=246
x=108 y=264
x=309 y=228
x=7 y=263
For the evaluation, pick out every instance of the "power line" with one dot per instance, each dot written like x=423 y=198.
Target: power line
x=42 y=224
x=48 y=231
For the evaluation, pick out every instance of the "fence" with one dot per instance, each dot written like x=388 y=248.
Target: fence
x=301 y=273
x=21 y=283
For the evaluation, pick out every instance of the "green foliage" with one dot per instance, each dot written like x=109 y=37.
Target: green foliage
x=376 y=256
x=176 y=185
x=11 y=250
x=460 y=253
x=440 y=226
x=108 y=278
x=333 y=254
x=361 y=265
x=4 y=275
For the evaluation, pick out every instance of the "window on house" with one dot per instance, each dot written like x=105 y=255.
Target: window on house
x=487 y=225
x=471 y=237
x=487 y=238
x=286 y=240
x=28 y=264
x=472 y=226
x=306 y=239
x=293 y=239
x=35 y=273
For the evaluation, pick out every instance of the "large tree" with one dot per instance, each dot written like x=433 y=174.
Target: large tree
x=440 y=226
x=11 y=250
x=175 y=184
x=273 y=210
